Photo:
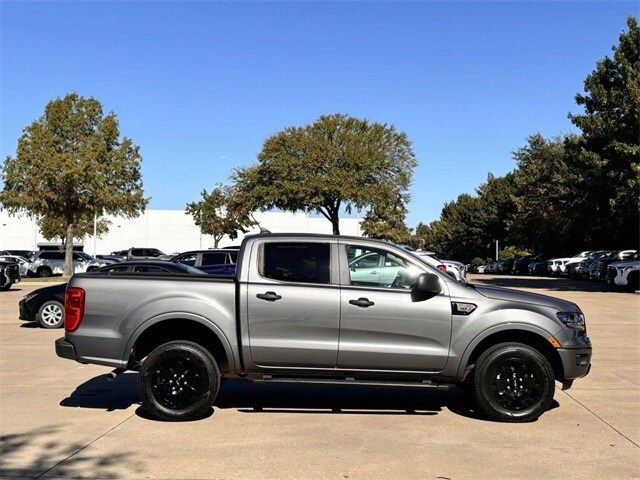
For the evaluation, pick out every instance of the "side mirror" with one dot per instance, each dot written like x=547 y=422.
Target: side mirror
x=427 y=286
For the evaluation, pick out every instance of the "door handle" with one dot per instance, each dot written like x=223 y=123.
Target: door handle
x=361 y=302
x=269 y=296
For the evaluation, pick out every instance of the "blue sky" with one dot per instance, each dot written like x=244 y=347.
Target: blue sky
x=199 y=86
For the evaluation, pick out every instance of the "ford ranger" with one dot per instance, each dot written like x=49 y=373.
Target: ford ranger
x=325 y=309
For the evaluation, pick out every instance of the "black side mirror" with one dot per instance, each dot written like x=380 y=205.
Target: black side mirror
x=427 y=286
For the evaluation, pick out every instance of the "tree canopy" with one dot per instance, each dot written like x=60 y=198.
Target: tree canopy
x=53 y=228
x=219 y=213
x=569 y=193
x=71 y=164
x=337 y=163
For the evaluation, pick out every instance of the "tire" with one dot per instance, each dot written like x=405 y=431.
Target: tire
x=6 y=287
x=633 y=281
x=197 y=378
x=513 y=382
x=44 y=272
x=51 y=314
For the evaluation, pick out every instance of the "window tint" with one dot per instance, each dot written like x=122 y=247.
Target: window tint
x=214 y=258
x=52 y=255
x=234 y=257
x=188 y=259
x=138 y=252
x=149 y=269
x=297 y=262
x=114 y=270
x=153 y=252
x=373 y=267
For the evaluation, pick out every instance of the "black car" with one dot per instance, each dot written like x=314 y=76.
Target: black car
x=45 y=306
x=521 y=266
x=213 y=261
x=147 y=267
x=9 y=274
x=538 y=268
x=22 y=253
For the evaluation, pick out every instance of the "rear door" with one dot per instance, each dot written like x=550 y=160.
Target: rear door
x=293 y=304
x=381 y=327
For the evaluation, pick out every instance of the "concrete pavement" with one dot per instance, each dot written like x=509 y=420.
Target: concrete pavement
x=62 y=419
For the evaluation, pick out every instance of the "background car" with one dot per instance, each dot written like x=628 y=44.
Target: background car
x=45 y=306
x=23 y=263
x=213 y=262
x=625 y=274
x=538 y=268
x=598 y=269
x=147 y=267
x=9 y=274
x=458 y=269
x=46 y=263
x=521 y=265
x=21 y=253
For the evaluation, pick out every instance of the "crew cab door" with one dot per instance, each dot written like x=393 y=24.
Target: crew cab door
x=293 y=305
x=381 y=327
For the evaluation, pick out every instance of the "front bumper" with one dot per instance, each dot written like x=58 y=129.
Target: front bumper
x=65 y=349
x=25 y=313
x=576 y=362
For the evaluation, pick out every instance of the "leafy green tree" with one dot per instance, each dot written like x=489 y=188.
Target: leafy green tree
x=55 y=228
x=71 y=164
x=544 y=196
x=336 y=163
x=219 y=213
x=387 y=222
x=608 y=151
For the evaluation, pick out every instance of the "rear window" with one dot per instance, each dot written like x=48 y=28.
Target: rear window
x=149 y=269
x=297 y=262
x=52 y=255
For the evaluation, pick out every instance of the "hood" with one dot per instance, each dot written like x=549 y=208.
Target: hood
x=507 y=294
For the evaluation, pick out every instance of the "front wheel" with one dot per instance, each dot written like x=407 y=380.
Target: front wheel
x=51 y=314
x=178 y=381
x=513 y=382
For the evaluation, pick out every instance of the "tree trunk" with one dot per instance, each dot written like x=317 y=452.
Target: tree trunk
x=335 y=222
x=68 y=255
x=216 y=241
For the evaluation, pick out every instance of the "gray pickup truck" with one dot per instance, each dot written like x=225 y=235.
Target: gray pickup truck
x=325 y=309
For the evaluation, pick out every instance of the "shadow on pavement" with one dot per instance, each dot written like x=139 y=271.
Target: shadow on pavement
x=32 y=453
x=98 y=393
x=546 y=283
x=249 y=397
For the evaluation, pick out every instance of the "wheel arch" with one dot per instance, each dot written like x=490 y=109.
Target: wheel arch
x=179 y=326
x=525 y=334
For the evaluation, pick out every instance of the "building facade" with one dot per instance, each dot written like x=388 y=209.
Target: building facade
x=168 y=230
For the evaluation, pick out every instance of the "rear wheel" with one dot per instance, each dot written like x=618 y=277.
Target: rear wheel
x=44 y=272
x=51 y=314
x=513 y=382
x=178 y=381
x=6 y=286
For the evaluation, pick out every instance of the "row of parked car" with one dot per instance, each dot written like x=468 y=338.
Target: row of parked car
x=616 y=267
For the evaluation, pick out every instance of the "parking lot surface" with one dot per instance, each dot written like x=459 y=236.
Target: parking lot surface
x=63 y=419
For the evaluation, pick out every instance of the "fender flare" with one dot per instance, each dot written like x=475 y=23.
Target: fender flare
x=180 y=316
x=512 y=326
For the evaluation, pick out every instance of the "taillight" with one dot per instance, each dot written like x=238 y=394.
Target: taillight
x=73 y=308
x=442 y=267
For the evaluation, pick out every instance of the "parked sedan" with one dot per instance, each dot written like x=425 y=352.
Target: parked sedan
x=45 y=306
x=538 y=268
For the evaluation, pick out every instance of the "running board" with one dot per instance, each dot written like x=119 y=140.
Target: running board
x=350 y=381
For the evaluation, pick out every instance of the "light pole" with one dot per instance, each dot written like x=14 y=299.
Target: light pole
x=497 y=248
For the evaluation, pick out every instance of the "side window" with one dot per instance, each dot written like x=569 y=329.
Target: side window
x=213 y=258
x=138 y=252
x=233 y=258
x=188 y=259
x=297 y=262
x=372 y=267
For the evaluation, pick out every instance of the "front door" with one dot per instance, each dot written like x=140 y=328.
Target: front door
x=293 y=308
x=381 y=328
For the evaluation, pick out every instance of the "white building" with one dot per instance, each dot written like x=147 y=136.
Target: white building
x=168 y=230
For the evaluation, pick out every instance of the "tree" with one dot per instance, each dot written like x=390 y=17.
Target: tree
x=608 y=151
x=71 y=164
x=336 y=163
x=387 y=222
x=55 y=228
x=219 y=213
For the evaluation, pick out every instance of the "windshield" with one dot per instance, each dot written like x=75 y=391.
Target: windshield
x=84 y=256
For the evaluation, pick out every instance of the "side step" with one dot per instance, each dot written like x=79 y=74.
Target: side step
x=351 y=381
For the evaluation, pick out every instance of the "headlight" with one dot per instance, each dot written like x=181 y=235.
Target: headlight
x=572 y=319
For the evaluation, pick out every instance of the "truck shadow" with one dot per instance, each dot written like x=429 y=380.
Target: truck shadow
x=258 y=398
